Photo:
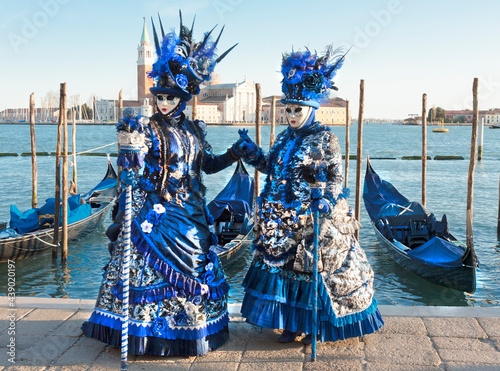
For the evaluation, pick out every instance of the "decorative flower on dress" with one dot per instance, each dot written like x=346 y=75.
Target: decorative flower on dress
x=159 y=326
x=196 y=300
x=153 y=217
x=146 y=226
x=170 y=321
x=190 y=308
x=208 y=277
x=204 y=289
x=181 y=319
x=159 y=208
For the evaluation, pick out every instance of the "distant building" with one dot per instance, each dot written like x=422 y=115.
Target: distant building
x=466 y=115
x=145 y=62
x=492 y=116
x=459 y=115
x=235 y=101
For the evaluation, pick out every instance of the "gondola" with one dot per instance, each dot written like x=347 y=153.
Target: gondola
x=232 y=211
x=97 y=202
x=415 y=239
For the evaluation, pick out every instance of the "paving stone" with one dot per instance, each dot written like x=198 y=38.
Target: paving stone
x=109 y=359
x=403 y=325
x=470 y=356
x=19 y=313
x=455 y=327
x=490 y=325
x=72 y=326
x=147 y=358
x=84 y=341
x=246 y=331
x=229 y=352
x=47 y=350
x=136 y=366
x=78 y=355
x=80 y=367
x=214 y=366
x=496 y=342
x=344 y=348
x=382 y=366
x=400 y=349
x=334 y=364
x=277 y=365
x=463 y=344
x=42 y=321
x=460 y=366
x=20 y=341
x=25 y=368
x=397 y=341
x=259 y=349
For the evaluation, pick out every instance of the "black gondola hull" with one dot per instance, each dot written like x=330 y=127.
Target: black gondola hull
x=378 y=193
x=459 y=278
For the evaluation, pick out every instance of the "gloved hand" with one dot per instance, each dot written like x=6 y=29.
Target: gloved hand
x=239 y=147
x=251 y=149
x=320 y=205
x=245 y=147
x=128 y=177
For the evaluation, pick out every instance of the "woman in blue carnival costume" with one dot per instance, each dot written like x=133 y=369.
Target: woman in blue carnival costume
x=178 y=292
x=304 y=174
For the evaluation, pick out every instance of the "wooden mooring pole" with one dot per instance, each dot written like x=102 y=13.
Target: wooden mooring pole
x=257 y=140
x=64 y=239
x=195 y=107
x=74 y=185
x=424 y=149
x=120 y=105
x=57 y=196
x=498 y=219
x=347 y=143
x=273 y=122
x=480 y=140
x=470 y=181
x=359 y=160
x=34 y=172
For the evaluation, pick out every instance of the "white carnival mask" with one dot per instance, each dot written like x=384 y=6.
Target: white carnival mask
x=297 y=115
x=167 y=103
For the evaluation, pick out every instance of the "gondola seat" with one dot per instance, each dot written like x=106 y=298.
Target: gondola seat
x=419 y=233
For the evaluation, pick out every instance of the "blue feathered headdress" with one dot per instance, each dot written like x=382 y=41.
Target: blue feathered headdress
x=182 y=63
x=307 y=77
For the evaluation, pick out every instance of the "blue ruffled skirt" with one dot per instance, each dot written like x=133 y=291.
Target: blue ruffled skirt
x=178 y=292
x=279 y=299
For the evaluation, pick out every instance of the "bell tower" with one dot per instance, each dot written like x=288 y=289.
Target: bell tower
x=144 y=65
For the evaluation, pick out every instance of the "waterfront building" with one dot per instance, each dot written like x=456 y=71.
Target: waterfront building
x=235 y=101
x=492 y=116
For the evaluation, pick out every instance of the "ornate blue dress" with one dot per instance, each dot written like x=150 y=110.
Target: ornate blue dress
x=278 y=285
x=178 y=292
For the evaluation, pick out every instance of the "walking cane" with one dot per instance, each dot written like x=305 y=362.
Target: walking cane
x=125 y=274
x=315 y=287
x=316 y=194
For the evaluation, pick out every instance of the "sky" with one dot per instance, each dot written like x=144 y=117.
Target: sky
x=400 y=48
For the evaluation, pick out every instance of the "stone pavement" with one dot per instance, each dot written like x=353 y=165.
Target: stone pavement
x=48 y=337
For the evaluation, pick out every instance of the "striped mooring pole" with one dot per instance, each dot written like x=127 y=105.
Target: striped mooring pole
x=126 y=275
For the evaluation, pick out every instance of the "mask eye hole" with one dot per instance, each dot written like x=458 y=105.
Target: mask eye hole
x=170 y=98
x=160 y=97
x=298 y=109
x=288 y=110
